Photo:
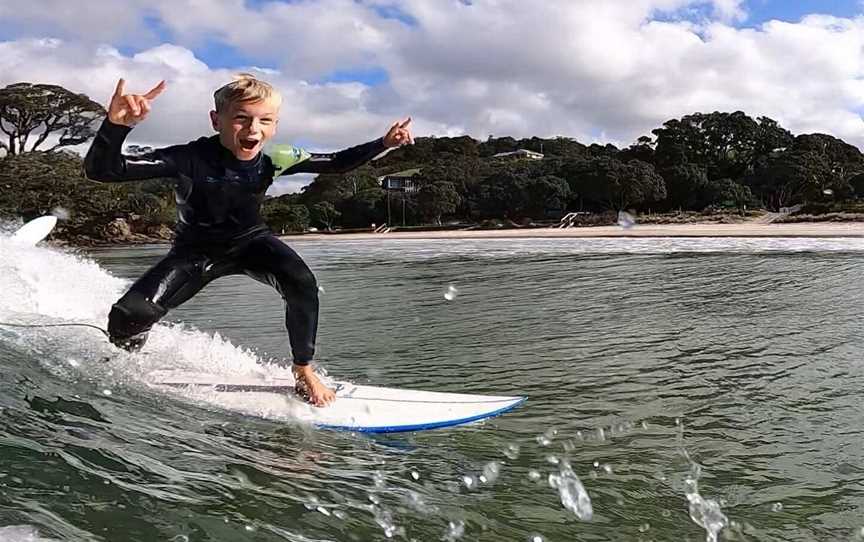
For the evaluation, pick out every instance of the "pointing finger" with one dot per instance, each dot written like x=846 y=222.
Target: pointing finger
x=121 y=86
x=155 y=91
x=405 y=123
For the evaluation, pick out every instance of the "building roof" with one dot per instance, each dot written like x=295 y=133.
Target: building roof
x=407 y=173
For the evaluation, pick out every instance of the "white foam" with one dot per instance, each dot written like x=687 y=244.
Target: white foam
x=44 y=285
x=22 y=533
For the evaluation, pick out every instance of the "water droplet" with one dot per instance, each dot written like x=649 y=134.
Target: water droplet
x=828 y=192
x=323 y=510
x=455 y=530
x=491 y=471
x=417 y=502
x=512 y=451
x=596 y=464
x=250 y=528
x=385 y=520
x=572 y=492
x=542 y=440
x=415 y=475
x=106 y=392
x=73 y=362
x=666 y=513
x=777 y=507
x=451 y=292
x=644 y=527
x=626 y=220
x=704 y=512
x=60 y=212
x=607 y=468
x=552 y=459
x=469 y=481
x=340 y=514
x=535 y=538
x=534 y=475
x=321 y=290
x=378 y=479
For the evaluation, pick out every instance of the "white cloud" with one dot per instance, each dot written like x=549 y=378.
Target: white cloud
x=577 y=68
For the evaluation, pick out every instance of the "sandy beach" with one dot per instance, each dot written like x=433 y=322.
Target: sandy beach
x=828 y=230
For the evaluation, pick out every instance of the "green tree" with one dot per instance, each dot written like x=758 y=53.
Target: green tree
x=607 y=183
x=514 y=194
x=283 y=214
x=325 y=213
x=803 y=172
x=436 y=198
x=39 y=111
x=724 y=145
x=35 y=183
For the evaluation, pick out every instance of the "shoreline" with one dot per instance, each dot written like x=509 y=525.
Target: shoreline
x=808 y=229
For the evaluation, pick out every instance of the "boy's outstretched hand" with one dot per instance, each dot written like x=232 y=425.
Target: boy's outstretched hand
x=398 y=134
x=130 y=109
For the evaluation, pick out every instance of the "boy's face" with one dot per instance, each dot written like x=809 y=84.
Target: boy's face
x=244 y=127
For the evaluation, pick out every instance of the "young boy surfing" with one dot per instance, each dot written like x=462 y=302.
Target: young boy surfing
x=220 y=183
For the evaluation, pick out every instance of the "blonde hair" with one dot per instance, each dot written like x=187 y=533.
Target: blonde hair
x=244 y=88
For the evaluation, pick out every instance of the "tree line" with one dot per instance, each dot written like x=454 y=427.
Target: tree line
x=700 y=162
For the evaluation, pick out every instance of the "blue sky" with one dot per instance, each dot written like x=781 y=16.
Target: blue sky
x=792 y=10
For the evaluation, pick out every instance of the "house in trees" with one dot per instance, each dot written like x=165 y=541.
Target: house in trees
x=401 y=181
x=520 y=154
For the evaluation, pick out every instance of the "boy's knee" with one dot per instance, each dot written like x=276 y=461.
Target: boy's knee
x=303 y=284
x=130 y=319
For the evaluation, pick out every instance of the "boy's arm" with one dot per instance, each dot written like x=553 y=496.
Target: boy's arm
x=105 y=161
x=290 y=160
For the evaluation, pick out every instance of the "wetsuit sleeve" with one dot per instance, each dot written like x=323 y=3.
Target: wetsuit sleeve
x=105 y=161
x=290 y=160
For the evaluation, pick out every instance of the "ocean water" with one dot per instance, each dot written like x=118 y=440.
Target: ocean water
x=678 y=389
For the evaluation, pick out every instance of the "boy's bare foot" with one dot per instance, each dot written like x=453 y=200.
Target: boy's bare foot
x=310 y=387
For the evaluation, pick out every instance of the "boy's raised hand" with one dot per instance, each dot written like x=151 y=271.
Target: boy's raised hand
x=130 y=109
x=398 y=134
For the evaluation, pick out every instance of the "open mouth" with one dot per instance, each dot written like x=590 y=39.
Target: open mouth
x=248 y=144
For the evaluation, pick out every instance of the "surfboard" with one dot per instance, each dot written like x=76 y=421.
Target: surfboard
x=34 y=231
x=358 y=408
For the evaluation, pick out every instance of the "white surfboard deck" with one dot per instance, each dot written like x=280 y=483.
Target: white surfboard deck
x=368 y=409
x=34 y=231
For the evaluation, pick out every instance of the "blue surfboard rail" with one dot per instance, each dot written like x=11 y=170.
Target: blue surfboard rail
x=424 y=426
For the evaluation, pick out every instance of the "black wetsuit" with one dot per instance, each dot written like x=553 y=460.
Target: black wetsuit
x=219 y=229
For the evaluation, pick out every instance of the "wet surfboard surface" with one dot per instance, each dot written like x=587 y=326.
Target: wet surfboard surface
x=358 y=408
